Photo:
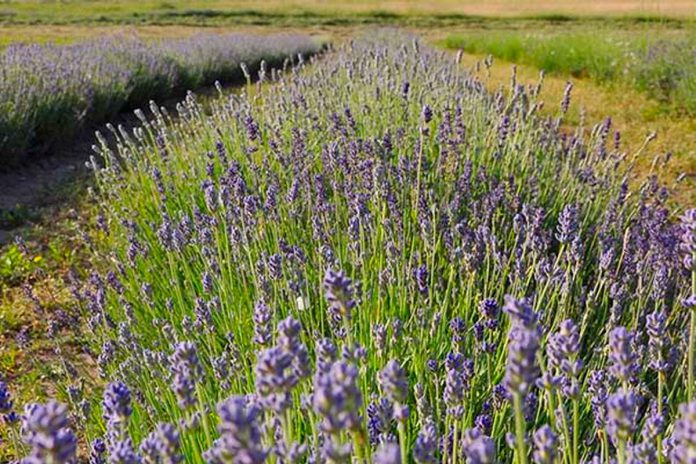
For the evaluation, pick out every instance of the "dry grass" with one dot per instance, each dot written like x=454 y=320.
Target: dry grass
x=470 y=7
x=632 y=113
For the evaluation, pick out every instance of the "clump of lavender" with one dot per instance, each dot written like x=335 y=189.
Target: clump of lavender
x=477 y=447
x=426 y=215
x=622 y=418
x=623 y=364
x=387 y=453
x=339 y=293
x=338 y=400
x=6 y=404
x=117 y=409
x=187 y=372
x=162 y=445
x=240 y=435
x=521 y=369
x=545 y=445
x=45 y=430
x=262 y=324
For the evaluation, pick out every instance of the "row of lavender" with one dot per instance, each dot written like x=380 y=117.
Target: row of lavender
x=48 y=92
x=376 y=260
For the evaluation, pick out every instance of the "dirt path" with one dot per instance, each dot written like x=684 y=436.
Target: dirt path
x=42 y=181
x=27 y=189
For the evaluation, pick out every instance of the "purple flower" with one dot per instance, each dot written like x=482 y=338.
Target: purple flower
x=240 y=436
x=274 y=378
x=597 y=388
x=339 y=293
x=683 y=438
x=5 y=399
x=521 y=370
x=688 y=237
x=427 y=114
x=623 y=363
x=520 y=312
x=457 y=327
x=379 y=419
x=563 y=348
x=489 y=310
x=44 y=429
x=337 y=398
x=658 y=341
x=97 y=451
x=387 y=453
x=622 y=412
x=187 y=372
x=117 y=408
x=478 y=448
x=420 y=274
x=426 y=445
x=325 y=353
x=393 y=382
x=122 y=452
x=162 y=445
x=565 y=102
x=262 y=324
x=545 y=445
x=289 y=340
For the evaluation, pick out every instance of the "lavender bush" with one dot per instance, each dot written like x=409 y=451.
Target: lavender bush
x=376 y=260
x=47 y=92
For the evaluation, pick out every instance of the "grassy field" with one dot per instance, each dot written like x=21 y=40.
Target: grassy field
x=632 y=113
x=660 y=61
x=313 y=12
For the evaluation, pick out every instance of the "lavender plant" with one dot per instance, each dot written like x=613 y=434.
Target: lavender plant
x=47 y=92
x=322 y=263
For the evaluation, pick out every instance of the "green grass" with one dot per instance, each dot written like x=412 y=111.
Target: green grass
x=660 y=62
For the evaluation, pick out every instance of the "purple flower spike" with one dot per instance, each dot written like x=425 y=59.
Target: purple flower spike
x=426 y=445
x=546 y=445
x=187 y=372
x=117 y=408
x=392 y=380
x=688 y=237
x=622 y=355
x=339 y=294
x=387 y=453
x=337 y=398
x=5 y=399
x=521 y=369
x=44 y=429
x=478 y=448
x=240 y=437
x=622 y=411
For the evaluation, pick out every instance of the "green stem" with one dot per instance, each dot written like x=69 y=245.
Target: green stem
x=454 y=443
x=692 y=336
x=660 y=387
x=576 y=432
x=519 y=429
x=621 y=451
x=402 y=442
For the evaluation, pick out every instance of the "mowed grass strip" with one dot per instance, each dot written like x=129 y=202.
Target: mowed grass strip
x=659 y=60
x=634 y=114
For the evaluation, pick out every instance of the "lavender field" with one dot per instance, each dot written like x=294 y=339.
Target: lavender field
x=368 y=257
x=49 y=92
